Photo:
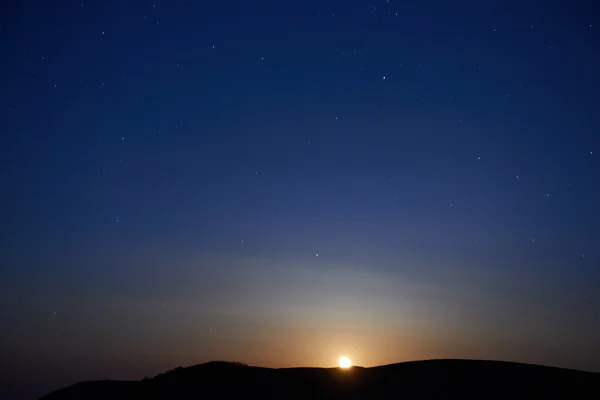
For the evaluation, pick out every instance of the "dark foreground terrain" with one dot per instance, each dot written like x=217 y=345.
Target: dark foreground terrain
x=434 y=379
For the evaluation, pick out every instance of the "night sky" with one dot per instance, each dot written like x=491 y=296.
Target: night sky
x=280 y=183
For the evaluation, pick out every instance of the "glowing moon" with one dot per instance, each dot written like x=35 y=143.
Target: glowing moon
x=345 y=362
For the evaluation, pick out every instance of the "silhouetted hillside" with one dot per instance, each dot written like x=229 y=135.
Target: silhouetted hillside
x=433 y=379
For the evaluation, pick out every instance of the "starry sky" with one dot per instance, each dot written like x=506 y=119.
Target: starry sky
x=280 y=183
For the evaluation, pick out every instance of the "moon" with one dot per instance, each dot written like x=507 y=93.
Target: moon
x=344 y=362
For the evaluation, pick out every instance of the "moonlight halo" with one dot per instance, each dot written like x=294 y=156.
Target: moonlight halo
x=344 y=362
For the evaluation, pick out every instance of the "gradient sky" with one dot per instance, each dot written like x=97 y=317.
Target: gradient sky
x=280 y=183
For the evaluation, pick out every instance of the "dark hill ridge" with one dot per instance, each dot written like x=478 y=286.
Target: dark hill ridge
x=432 y=379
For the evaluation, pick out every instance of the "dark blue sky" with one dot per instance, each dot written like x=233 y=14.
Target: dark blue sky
x=280 y=183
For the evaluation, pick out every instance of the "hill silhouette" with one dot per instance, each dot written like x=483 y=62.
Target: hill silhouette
x=431 y=379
